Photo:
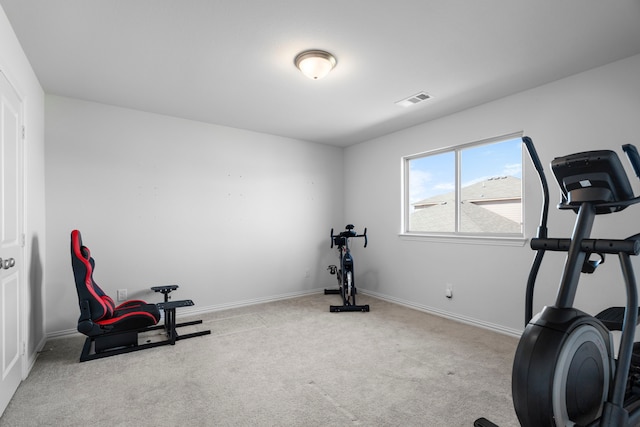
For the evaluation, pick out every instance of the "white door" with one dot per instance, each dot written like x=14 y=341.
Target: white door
x=11 y=245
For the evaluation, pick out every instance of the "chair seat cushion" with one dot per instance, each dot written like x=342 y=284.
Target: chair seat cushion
x=131 y=315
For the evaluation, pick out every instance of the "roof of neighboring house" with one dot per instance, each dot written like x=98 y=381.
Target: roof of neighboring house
x=438 y=212
x=496 y=188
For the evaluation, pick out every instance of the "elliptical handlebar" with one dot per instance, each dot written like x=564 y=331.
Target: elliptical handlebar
x=542 y=228
x=535 y=159
x=634 y=158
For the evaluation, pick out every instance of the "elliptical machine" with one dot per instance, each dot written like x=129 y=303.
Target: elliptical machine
x=565 y=372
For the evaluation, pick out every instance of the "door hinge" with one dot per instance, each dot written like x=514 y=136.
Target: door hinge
x=23 y=240
x=23 y=131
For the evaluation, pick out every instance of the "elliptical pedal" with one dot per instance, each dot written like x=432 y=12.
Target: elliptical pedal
x=613 y=318
x=483 y=422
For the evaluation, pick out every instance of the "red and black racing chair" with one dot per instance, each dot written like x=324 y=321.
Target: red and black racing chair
x=112 y=329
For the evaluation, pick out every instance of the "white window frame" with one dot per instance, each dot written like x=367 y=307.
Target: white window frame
x=509 y=239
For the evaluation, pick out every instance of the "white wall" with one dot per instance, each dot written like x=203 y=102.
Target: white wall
x=597 y=109
x=231 y=216
x=15 y=65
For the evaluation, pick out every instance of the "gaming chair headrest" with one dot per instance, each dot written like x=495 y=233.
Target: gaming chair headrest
x=83 y=265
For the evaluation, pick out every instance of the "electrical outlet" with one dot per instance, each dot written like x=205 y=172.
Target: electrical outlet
x=449 y=291
x=122 y=294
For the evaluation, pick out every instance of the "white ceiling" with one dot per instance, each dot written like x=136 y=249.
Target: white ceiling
x=230 y=62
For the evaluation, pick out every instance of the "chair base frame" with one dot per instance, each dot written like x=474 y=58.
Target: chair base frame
x=112 y=344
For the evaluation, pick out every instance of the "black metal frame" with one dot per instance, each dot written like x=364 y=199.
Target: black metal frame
x=112 y=344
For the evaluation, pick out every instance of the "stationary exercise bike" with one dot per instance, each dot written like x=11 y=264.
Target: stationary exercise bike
x=565 y=372
x=345 y=273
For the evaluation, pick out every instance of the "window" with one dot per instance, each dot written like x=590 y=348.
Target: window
x=470 y=190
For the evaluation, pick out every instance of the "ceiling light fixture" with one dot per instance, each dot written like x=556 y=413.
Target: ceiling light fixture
x=315 y=64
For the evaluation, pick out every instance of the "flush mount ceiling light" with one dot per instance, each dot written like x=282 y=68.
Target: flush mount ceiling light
x=315 y=64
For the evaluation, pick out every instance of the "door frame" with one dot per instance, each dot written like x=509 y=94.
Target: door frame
x=22 y=285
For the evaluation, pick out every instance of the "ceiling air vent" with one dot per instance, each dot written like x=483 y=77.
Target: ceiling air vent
x=413 y=99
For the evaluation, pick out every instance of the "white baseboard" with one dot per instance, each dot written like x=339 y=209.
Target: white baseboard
x=196 y=310
x=441 y=313
x=245 y=303
x=63 y=333
x=31 y=358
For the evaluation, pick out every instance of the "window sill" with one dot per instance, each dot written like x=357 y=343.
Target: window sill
x=467 y=240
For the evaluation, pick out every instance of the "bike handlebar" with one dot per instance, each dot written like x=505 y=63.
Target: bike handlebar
x=349 y=233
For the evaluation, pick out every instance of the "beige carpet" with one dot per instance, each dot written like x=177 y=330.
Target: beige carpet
x=285 y=363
